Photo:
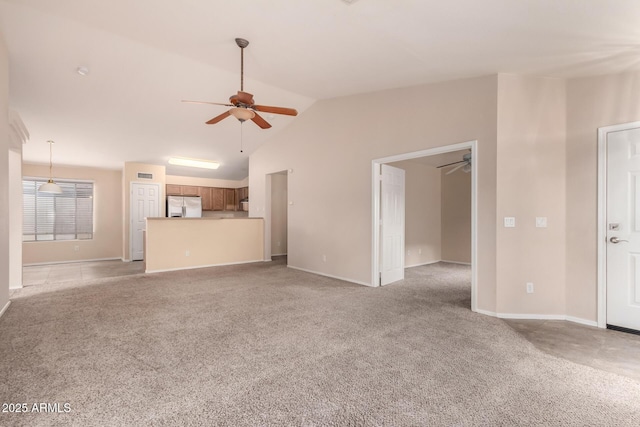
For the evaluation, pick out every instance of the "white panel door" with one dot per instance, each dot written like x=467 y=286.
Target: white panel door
x=623 y=228
x=145 y=203
x=392 y=225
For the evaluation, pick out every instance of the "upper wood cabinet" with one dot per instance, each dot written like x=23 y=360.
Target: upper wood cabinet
x=241 y=193
x=229 y=199
x=213 y=198
x=190 y=190
x=217 y=199
x=207 y=201
x=174 y=190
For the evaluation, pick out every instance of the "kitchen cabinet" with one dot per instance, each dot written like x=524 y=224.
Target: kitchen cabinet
x=190 y=190
x=241 y=193
x=182 y=190
x=207 y=200
x=229 y=199
x=213 y=198
x=217 y=199
x=174 y=190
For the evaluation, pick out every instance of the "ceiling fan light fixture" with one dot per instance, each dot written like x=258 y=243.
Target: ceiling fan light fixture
x=193 y=163
x=242 y=114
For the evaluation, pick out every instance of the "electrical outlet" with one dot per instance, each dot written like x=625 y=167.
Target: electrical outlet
x=419 y=251
x=529 y=287
x=541 y=221
x=324 y=258
x=409 y=252
x=187 y=253
x=509 y=221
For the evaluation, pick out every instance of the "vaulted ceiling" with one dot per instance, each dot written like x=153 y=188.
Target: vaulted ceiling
x=144 y=56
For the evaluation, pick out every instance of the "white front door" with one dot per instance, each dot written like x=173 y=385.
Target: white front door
x=623 y=229
x=145 y=202
x=392 y=224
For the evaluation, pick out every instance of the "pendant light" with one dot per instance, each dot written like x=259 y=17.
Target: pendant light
x=50 y=186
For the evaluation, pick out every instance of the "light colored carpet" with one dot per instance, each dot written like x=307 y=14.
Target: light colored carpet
x=264 y=345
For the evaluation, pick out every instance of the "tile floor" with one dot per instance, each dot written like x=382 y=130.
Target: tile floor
x=605 y=349
x=612 y=351
x=78 y=271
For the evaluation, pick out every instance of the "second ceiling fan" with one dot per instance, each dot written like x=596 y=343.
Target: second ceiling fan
x=243 y=106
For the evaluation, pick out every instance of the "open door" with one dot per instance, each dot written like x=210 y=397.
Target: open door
x=391 y=224
x=623 y=229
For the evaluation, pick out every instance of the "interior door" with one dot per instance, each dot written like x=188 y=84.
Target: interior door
x=392 y=224
x=623 y=229
x=145 y=202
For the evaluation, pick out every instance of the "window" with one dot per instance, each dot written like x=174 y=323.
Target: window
x=65 y=216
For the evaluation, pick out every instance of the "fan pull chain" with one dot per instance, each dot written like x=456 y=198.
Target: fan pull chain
x=241 y=123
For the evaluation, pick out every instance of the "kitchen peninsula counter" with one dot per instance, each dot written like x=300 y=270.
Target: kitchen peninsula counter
x=184 y=243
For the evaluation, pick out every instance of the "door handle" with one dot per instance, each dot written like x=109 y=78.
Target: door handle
x=615 y=240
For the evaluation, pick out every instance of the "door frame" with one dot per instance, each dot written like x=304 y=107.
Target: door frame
x=602 y=217
x=131 y=184
x=375 y=208
x=267 y=212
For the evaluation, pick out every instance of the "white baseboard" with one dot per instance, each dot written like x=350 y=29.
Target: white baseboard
x=527 y=316
x=6 y=306
x=202 y=266
x=455 y=262
x=582 y=321
x=71 y=261
x=421 y=264
x=538 y=317
x=330 y=275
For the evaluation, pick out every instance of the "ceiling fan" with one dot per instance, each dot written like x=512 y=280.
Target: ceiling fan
x=465 y=164
x=243 y=107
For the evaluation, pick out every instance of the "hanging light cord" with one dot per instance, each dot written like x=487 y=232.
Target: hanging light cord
x=50 y=161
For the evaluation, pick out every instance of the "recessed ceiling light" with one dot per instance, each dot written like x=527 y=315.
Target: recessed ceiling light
x=194 y=163
x=83 y=71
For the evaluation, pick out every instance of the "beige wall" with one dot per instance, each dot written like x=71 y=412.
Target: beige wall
x=423 y=240
x=4 y=175
x=206 y=182
x=15 y=217
x=182 y=243
x=591 y=103
x=107 y=217
x=279 y=208
x=456 y=216
x=330 y=148
x=531 y=183
x=130 y=175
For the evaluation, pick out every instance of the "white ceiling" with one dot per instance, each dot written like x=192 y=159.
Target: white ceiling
x=145 y=56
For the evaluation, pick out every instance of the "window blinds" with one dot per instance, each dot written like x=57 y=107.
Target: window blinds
x=65 y=216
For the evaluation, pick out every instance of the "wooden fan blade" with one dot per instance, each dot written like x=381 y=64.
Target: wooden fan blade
x=276 y=110
x=206 y=102
x=260 y=122
x=216 y=119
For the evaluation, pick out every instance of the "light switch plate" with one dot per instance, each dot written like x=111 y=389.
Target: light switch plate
x=509 y=221
x=541 y=221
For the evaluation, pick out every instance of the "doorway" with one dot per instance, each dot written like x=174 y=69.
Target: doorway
x=277 y=215
x=619 y=227
x=377 y=256
x=145 y=203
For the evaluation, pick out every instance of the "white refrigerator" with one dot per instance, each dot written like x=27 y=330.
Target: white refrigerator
x=184 y=206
